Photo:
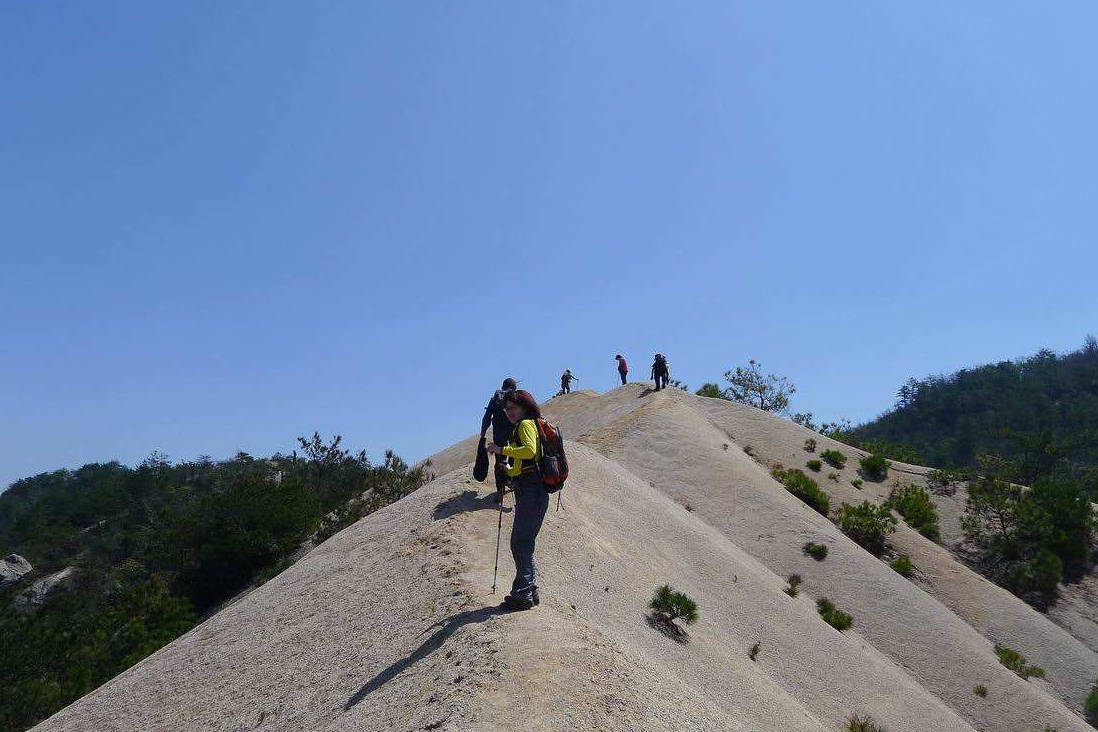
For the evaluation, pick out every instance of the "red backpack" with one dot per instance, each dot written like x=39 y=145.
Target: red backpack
x=553 y=465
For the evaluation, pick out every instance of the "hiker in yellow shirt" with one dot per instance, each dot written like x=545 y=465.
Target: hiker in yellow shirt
x=531 y=496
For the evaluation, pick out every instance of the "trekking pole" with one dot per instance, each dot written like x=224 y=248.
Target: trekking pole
x=499 y=530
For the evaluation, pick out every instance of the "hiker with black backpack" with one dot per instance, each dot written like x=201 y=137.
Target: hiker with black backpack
x=495 y=416
x=661 y=372
x=537 y=468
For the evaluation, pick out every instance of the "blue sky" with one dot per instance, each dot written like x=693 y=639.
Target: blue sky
x=223 y=225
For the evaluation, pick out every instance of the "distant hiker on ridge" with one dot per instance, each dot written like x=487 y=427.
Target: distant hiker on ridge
x=661 y=372
x=495 y=415
x=623 y=368
x=523 y=447
x=566 y=381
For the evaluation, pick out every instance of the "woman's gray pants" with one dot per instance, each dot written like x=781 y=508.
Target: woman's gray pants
x=531 y=502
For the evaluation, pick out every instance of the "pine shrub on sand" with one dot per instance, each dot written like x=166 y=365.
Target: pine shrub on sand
x=669 y=605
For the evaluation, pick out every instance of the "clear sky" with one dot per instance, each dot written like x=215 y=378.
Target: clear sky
x=223 y=225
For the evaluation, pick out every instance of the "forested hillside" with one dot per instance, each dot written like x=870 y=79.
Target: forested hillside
x=1037 y=412
x=153 y=549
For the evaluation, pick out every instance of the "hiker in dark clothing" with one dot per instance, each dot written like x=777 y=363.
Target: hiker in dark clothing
x=496 y=416
x=531 y=497
x=661 y=372
x=623 y=368
x=566 y=381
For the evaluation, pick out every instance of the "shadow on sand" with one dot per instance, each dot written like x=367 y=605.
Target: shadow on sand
x=668 y=628
x=449 y=626
x=467 y=501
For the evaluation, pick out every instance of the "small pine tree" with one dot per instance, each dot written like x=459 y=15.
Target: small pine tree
x=832 y=615
x=867 y=524
x=1090 y=706
x=1017 y=663
x=915 y=505
x=710 y=390
x=902 y=564
x=875 y=467
x=834 y=458
x=863 y=723
x=669 y=605
x=804 y=488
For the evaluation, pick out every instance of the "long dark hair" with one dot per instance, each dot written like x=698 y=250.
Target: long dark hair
x=527 y=401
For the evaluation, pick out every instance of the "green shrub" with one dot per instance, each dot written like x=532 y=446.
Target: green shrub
x=1090 y=706
x=863 y=723
x=753 y=652
x=810 y=444
x=902 y=564
x=803 y=487
x=1017 y=663
x=710 y=390
x=814 y=465
x=1029 y=538
x=867 y=524
x=1039 y=575
x=794 y=583
x=857 y=483
x=979 y=690
x=944 y=482
x=875 y=467
x=920 y=513
x=816 y=551
x=834 y=458
x=833 y=476
x=832 y=615
x=669 y=605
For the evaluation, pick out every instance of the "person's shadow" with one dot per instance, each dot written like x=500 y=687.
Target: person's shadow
x=433 y=643
x=466 y=501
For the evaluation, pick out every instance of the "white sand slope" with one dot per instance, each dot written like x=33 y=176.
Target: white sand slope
x=389 y=624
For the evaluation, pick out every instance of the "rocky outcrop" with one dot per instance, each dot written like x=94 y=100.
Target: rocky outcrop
x=37 y=593
x=12 y=569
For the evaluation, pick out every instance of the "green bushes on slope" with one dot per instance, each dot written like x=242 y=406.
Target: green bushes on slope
x=919 y=512
x=867 y=524
x=155 y=548
x=804 y=488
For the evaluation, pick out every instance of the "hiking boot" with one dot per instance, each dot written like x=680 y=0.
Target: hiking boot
x=517 y=603
x=534 y=598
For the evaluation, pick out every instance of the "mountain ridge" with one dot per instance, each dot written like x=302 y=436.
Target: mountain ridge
x=389 y=624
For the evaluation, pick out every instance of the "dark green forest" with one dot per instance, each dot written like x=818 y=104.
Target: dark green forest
x=157 y=547
x=1022 y=435
x=1036 y=411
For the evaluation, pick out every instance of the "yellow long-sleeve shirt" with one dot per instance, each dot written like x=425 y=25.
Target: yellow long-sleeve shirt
x=522 y=447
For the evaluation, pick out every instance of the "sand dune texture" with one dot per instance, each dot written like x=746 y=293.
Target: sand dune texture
x=389 y=625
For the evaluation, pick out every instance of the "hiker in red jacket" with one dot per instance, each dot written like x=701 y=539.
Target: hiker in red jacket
x=623 y=368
